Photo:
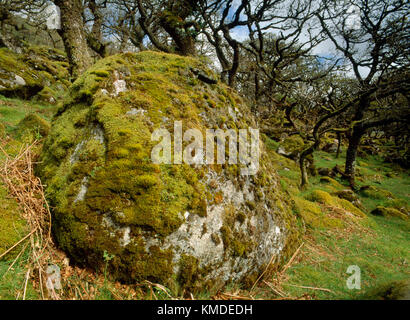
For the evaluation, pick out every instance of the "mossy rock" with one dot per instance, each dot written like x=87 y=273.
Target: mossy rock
x=346 y=194
x=291 y=147
x=376 y=193
x=399 y=204
x=322 y=197
x=27 y=74
x=47 y=95
x=327 y=200
x=332 y=182
x=33 y=124
x=350 y=207
x=161 y=222
x=313 y=215
x=389 y=212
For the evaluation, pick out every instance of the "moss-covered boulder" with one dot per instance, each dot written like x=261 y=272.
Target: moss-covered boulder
x=376 y=193
x=33 y=124
x=291 y=147
x=36 y=72
x=330 y=202
x=389 y=212
x=191 y=226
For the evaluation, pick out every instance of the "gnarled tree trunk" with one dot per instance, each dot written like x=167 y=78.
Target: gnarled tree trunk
x=351 y=154
x=73 y=34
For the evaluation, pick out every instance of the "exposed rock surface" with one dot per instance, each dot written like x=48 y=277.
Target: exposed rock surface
x=186 y=226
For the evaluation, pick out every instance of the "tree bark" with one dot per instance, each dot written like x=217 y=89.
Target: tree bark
x=74 y=37
x=351 y=154
x=305 y=153
x=339 y=143
x=95 y=39
x=173 y=20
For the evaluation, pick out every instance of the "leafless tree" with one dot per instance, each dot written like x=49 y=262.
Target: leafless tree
x=375 y=46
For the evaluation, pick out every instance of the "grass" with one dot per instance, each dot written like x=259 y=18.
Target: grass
x=378 y=245
x=12 y=111
x=381 y=253
x=12 y=280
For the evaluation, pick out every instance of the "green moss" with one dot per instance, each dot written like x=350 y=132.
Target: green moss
x=332 y=182
x=12 y=225
x=239 y=248
x=101 y=73
x=189 y=271
x=389 y=212
x=293 y=144
x=33 y=124
x=95 y=143
x=399 y=204
x=321 y=197
x=348 y=206
x=313 y=215
x=376 y=193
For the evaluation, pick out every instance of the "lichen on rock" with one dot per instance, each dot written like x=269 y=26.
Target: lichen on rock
x=187 y=226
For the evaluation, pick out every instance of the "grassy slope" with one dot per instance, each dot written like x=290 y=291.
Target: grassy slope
x=379 y=246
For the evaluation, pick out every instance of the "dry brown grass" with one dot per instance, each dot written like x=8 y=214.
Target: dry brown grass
x=17 y=174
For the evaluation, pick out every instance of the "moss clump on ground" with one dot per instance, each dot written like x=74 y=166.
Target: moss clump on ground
x=313 y=215
x=12 y=226
x=389 y=212
x=33 y=124
x=376 y=193
x=321 y=197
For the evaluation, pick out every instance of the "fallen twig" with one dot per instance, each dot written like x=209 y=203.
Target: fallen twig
x=312 y=288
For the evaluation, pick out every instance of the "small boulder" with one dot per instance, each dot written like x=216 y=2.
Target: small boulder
x=34 y=124
x=375 y=193
x=346 y=194
x=326 y=172
x=291 y=147
x=388 y=212
x=331 y=147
